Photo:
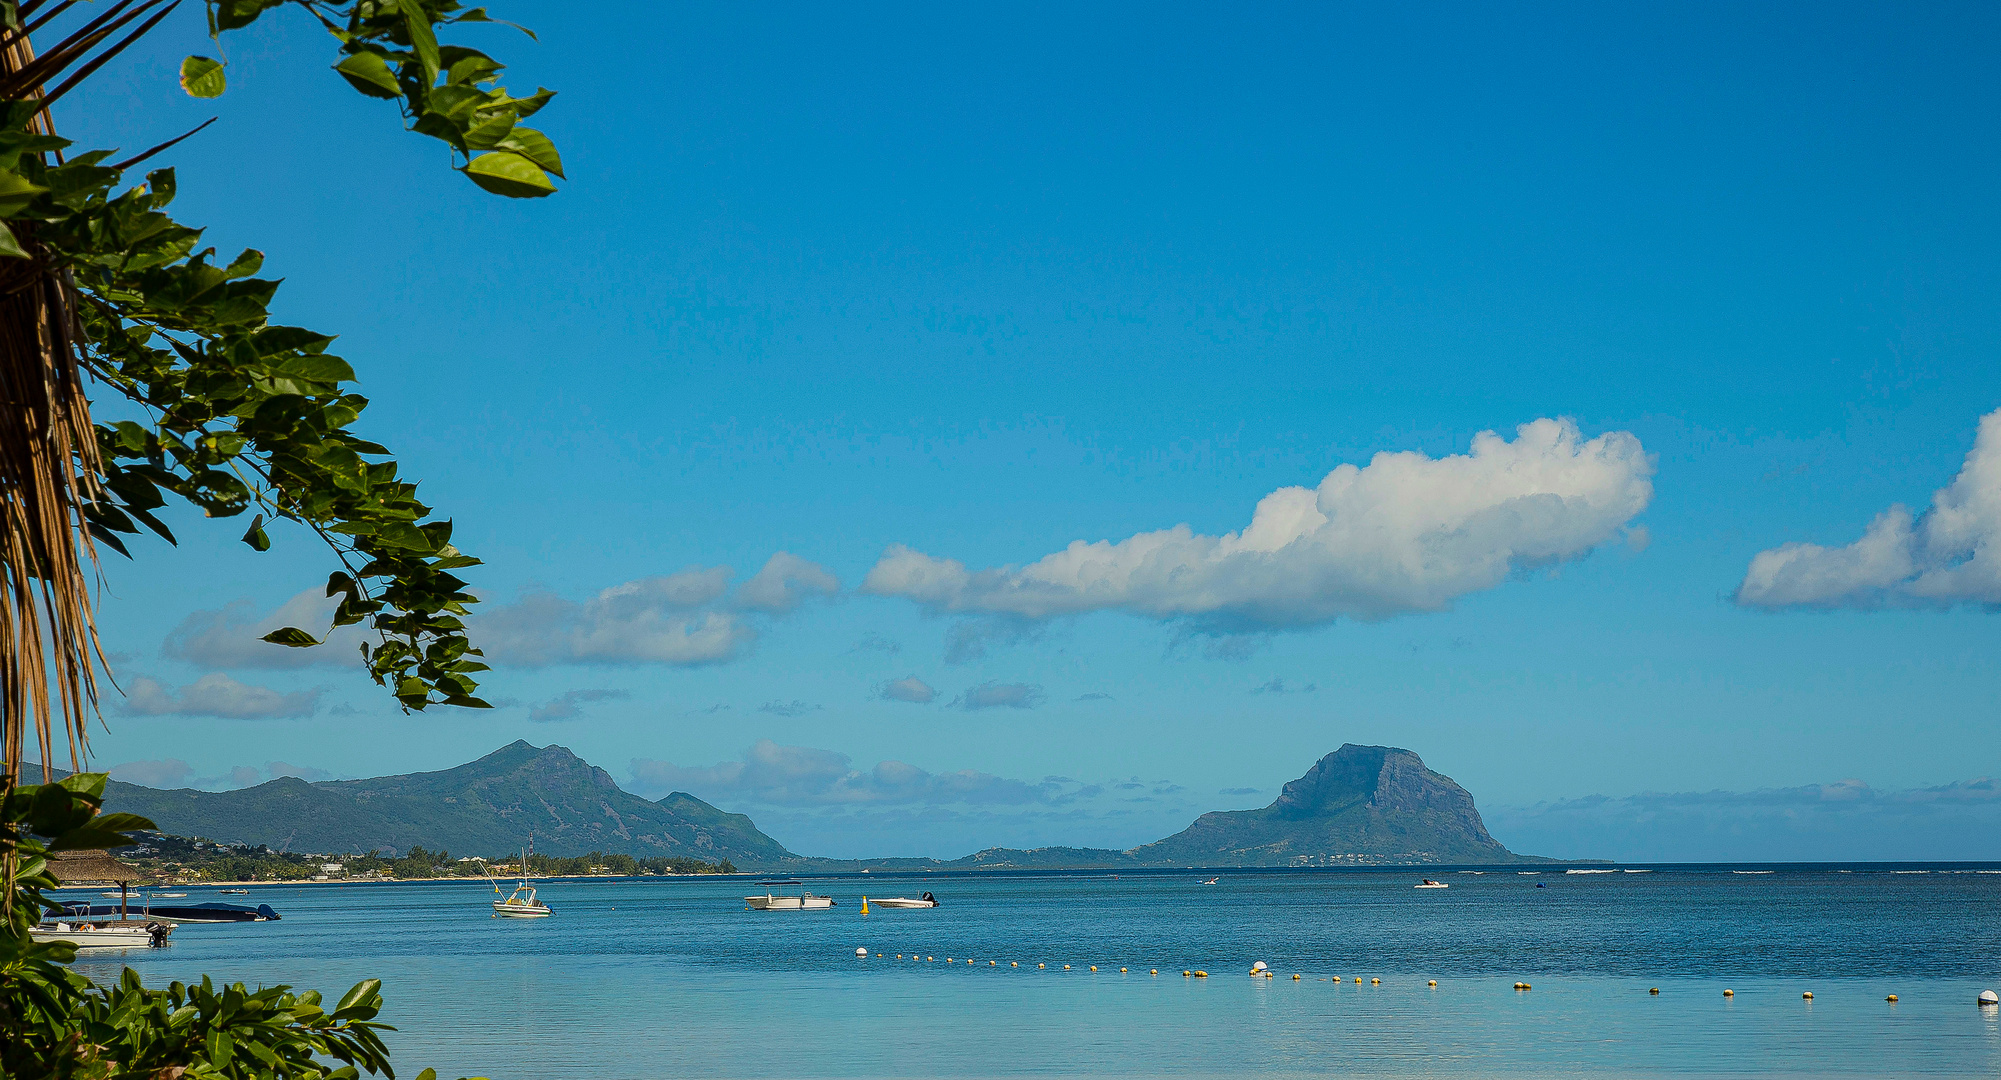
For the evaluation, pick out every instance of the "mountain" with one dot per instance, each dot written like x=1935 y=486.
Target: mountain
x=484 y=807
x=1358 y=806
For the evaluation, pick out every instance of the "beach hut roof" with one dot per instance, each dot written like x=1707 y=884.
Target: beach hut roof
x=71 y=866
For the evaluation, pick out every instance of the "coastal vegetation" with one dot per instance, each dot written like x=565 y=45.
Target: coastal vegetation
x=105 y=299
x=166 y=857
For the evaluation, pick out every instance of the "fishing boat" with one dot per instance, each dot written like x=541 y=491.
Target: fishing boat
x=521 y=903
x=772 y=901
x=1427 y=883
x=110 y=934
x=927 y=900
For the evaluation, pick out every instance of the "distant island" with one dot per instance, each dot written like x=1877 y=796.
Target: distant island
x=1358 y=806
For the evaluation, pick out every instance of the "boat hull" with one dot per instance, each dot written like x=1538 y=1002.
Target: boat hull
x=900 y=902
x=520 y=911
x=123 y=936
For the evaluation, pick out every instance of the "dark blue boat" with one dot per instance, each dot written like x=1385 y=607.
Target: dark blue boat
x=210 y=912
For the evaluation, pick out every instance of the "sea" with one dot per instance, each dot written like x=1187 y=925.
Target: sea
x=1074 y=974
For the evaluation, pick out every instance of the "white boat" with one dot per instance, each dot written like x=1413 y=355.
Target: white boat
x=110 y=934
x=927 y=900
x=1427 y=883
x=1212 y=881
x=521 y=903
x=772 y=901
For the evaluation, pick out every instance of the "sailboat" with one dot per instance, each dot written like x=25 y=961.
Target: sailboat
x=521 y=903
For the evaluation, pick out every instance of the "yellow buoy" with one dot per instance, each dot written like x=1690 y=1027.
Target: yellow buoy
x=1892 y=998
x=1122 y=971
x=930 y=958
x=1066 y=967
x=1808 y=995
x=1433 y=982
x=993 y=963
x=1653 y=989
x=1094 y=967
x=1042 y=965
x=1729 y=993
x=1295 y=977
x=1358 y=980
x=1201 y=974
x=1185 y=974
x=864 y=905
x=1155 y=971
x=1375 y=982
x=1014 y=963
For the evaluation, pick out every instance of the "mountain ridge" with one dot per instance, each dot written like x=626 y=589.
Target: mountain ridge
x=1357 y=806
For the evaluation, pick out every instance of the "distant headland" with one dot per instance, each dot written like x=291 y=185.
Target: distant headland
x=1358 y=806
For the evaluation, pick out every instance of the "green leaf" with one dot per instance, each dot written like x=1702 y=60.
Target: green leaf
x=534 y=146
x=16 y=192
x=292 y=636
x=10 y=247
x=418 y=22
x=370 y=74
x=362 y=993
x=202 y=77
x=504 y=172
x=255 y=536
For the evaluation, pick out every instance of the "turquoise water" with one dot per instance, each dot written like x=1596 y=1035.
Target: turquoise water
x=672 y=977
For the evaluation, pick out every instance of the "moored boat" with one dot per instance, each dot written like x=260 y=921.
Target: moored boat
x=772 y=901
x=521 y=903
x=110 y=934
x=925 y=901
x=1427 y=883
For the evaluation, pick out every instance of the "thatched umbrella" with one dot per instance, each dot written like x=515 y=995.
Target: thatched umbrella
x=71 y=866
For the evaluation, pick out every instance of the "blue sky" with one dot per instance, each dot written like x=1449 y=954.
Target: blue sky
x=981 y=284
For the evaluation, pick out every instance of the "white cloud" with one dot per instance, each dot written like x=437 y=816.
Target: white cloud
x=1405 y=533
x=675 y=619
x=775 y=775
x=171 y=772
x=999 y=695
x=218 y=695
x=784 y=583
x=646 y=621
x=911 y=689
x=1951 y=554
x=569 y=705
x=230 y=637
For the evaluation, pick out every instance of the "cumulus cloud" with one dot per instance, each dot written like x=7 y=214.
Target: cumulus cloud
x=968 y=639
x=773 y=775
x=1405 y=533
x=685 y=619
x=650 y=620
x=220 y=696
x=1278 y=685
x=789 y=708
x=569 y=705
x=231 y=636
x=172 y=772
x=1840 y=821
x=1948 y=555
x=1000 y=695
x=911 y=689
x=785 y=582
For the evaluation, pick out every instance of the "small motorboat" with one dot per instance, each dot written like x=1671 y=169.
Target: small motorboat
x=927 y=900
x=521 y=904
x=772 y=901
x=1427 y=883
x=110 y=934
x=234 y=892
x=1212 y=881
x=212 y=912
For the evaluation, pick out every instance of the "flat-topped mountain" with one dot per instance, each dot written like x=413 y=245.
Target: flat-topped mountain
x=484 y=807
x=1359 y=805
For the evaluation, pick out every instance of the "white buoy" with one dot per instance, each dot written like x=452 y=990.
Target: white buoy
x=1987 y=998
x=1259 y=966
x=861 y=952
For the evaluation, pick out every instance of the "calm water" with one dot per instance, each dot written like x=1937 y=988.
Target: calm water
x=672 y=977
